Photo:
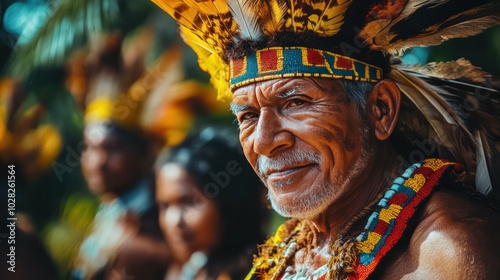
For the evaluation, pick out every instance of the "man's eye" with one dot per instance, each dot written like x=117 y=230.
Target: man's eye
x=296 y=102
x=247 y=116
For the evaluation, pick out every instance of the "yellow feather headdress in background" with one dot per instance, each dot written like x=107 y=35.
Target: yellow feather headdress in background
x=150 y=102
x=25 y=139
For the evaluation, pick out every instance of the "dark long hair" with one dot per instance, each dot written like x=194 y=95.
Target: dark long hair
x=214 y=159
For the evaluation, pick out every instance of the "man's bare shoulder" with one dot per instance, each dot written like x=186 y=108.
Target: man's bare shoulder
x=457 y=237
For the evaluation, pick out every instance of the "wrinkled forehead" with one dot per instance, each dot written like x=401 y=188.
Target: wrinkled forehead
x=286 y=86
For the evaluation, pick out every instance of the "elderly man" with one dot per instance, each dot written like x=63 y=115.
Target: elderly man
x=359 y=151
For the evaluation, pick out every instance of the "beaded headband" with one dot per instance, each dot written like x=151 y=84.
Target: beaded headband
x=284 y=62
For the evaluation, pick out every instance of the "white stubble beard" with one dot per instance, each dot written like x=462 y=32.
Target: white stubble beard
x=308 y=207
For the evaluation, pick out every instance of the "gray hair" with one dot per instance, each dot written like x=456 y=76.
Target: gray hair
x=357 y=92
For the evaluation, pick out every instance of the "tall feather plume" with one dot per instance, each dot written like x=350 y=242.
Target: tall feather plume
x=215 y=9
x=207 y=27
x=323 y=17
x=166 y=72
x=245 y=14
x=394 y=26
x=211 y=62
x=450 y=130
x=477 y=98
x=212 y=28
x=272 y=15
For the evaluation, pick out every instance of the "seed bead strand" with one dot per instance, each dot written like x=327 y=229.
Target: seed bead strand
x=343 y=249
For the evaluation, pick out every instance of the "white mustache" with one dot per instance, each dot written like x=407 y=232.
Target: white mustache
x=266 y=164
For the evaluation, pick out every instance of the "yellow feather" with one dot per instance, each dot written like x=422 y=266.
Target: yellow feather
x=210 y=61
x=211 y=27
x=332 y=18
x=210 y=7
x=292 y=13
x=272 y=15
x=323 y=17
x=220 y=77
x=178 y=10
x=215 y=10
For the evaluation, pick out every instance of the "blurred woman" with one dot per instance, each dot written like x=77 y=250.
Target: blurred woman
x=211 y=210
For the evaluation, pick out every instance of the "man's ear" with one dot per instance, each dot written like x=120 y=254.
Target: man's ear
x=383 y=108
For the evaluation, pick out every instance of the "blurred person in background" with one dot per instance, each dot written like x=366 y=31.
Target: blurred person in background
x=211 y=207
x=125 y=239
x=131 y=113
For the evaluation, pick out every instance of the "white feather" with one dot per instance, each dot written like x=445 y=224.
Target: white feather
x=483 y=180
x=244 y=14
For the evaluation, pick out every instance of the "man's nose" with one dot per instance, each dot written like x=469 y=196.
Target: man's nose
x=270 y=134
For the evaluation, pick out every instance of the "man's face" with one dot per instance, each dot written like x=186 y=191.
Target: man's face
x=109 y=165
x=304 y=139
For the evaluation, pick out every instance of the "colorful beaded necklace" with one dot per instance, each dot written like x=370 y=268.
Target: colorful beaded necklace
x=356 y=258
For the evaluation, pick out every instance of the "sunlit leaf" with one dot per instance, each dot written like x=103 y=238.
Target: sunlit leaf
x=68 y=27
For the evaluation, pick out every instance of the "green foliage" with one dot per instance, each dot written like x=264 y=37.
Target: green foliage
x=482 y=50
x=68 y=27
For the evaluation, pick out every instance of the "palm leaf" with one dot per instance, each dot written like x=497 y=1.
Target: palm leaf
x=68 y=27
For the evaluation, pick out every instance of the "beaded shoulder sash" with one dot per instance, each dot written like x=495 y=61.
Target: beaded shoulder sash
x=390 y=218
x=385 y=225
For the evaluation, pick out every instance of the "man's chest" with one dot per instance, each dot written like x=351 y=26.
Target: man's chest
x=308 y=264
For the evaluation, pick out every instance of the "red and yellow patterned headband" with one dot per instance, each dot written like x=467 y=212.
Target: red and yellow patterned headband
x=284 y=62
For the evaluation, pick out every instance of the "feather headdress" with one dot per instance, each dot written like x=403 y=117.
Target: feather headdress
x=241 y=41
x=150 y=101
